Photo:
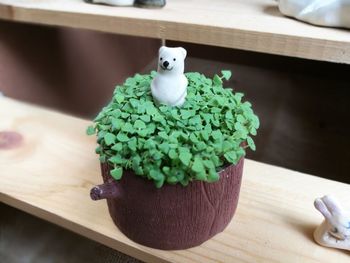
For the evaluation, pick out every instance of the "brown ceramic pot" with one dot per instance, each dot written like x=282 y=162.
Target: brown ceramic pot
x=172 y=217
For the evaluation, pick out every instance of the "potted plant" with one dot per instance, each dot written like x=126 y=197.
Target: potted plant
x=172 y=174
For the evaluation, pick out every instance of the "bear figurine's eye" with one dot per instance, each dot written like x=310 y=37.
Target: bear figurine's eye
x=174 y=59
x=161 y=58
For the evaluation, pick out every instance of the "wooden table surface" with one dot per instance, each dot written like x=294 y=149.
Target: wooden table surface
x=51 y=172
x=255 y=25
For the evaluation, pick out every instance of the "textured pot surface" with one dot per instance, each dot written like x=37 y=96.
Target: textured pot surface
x=174 y=217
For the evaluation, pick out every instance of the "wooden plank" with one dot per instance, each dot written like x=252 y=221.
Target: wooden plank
x=254 y=25
x=50 y=174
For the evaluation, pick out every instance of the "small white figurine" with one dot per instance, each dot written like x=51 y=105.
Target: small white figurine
x=170 y=84
x=112 y=2
x=138 y=3
x=334 y=13
x=335 y=229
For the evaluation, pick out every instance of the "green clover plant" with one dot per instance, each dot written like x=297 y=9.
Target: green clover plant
x=174 y=144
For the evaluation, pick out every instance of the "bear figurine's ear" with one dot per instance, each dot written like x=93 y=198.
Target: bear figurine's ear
x=162 y=48
x=183 y=51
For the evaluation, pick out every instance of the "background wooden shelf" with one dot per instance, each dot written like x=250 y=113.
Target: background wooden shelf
x=254 y=25
x=51 y=173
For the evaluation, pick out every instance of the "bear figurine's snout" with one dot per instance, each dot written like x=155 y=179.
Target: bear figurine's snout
x=165 y=64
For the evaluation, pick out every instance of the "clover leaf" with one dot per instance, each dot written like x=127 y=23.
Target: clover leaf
x=90 y=130
x=185 y=158
x=226 y=74
x=109 y=138
x=251 y=143
x=119 y=98
x=122 y=137
x=117 y=173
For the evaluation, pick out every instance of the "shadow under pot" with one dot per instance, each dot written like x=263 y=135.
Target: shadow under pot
x=172 y=217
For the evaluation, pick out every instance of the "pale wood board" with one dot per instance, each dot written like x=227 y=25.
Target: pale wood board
x=254 y=25
x=51 y=173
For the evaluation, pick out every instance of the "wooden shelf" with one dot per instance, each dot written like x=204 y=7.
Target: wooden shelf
x=50 y=174
x=254 y=25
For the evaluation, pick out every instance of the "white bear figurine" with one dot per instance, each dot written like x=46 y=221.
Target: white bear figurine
x=170 y=84
x=334 y=13
x=335 y=229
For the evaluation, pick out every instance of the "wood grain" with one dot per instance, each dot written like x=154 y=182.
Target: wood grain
x=51 y=172
x=173 y=217
x=254 y=25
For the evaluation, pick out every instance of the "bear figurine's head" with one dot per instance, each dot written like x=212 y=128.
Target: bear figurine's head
x=171 y=60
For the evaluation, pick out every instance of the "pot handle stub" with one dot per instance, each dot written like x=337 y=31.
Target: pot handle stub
x=106 y=190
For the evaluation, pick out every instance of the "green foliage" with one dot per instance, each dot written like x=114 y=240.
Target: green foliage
x=170 y=144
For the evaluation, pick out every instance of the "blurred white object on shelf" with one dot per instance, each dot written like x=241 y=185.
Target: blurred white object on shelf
x=333 y=13
x=114 y=2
